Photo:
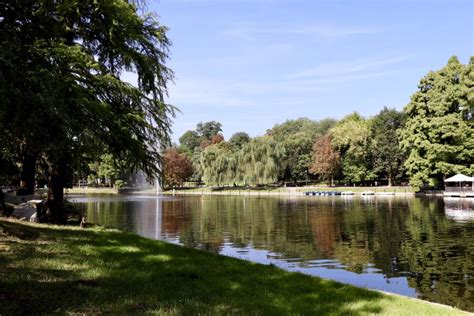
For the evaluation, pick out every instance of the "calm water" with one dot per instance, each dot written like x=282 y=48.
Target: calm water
x=416 y=247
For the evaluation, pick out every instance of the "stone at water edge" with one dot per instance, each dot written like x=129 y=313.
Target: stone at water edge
x=34 y=218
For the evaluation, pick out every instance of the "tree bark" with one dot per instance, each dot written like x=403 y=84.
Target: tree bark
x=27 y=177
x=3 y=206
x=53 y=210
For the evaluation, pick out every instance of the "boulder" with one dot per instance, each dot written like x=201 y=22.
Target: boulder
x=24 y=210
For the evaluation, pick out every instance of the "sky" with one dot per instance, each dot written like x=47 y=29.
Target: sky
x=250 y=64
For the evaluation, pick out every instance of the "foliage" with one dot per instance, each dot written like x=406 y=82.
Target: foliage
x=188 y=141
x=239 y=139
x=468 y=80
x=216 y=139
x=388 y=159
x=119 y=183
x=62 y=95
x=297 y=138
x=107 y=169
x=206 y=133
x=218 y=165
x=208 y=129
x=256 y=163
x=326 y=161
x=177 y=168
x=350 y=137
x=259 y=161
x=437 y=137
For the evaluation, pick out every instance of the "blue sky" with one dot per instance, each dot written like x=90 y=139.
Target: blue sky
x=250 y=64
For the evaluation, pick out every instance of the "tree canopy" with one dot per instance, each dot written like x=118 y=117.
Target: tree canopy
x=351 y=137
x=439 y=135
x=387 y=157
x=63 y=98
x=178 y=168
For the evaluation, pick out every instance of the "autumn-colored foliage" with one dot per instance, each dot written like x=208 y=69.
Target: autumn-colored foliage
x=326 y=159
x=177 y=168
x=216 y=139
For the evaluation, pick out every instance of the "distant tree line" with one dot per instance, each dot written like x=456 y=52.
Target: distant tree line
x=433 y=137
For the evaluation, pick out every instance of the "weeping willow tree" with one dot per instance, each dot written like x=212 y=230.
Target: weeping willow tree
x=218 y=165
x=260 y=161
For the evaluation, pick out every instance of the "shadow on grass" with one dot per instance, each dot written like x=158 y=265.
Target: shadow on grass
x=91 y=271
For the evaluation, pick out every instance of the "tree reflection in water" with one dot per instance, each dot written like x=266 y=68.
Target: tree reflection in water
x=410 y=238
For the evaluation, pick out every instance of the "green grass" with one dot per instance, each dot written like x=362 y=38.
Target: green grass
x=288 y=190
x=90 y=190
x=52 y=269
x=397 y=189
x=243 y=191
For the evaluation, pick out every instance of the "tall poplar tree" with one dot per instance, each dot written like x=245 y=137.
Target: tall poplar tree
x=384 y=145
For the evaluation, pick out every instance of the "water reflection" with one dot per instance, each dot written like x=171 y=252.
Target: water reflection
x=459 y=209
x=409 y=246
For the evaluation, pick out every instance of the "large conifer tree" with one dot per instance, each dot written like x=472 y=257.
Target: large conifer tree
x=438 y=136
x=62 y=96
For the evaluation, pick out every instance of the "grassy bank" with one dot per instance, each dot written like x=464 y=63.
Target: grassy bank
x=90 y=190
x=47 y=269
x=287 y=190
x=294 y=191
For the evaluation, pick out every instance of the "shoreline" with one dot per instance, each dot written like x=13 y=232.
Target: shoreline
x=289 y=194
x=102 y=265
x=283 y=191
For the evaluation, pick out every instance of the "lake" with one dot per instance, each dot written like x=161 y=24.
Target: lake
x=417 y=247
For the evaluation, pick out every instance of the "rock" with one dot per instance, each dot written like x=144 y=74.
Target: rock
x=34 y=218
x=24 y=210
x=13 y=199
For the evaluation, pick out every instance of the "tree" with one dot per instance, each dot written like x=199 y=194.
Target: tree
x=297 y=137
x=239 y=139
x=208 y=129
x=216 y=139
x=218 y=165
x=388 y=159
x=438 y=137
x=178 y=168
x=189 y=141
x=326 y=161
x=468 y=80
x=258 y=161
x=62 y=94
x=350 y=137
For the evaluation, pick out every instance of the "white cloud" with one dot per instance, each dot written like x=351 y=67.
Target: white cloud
x=328 y=32
x=337 y=69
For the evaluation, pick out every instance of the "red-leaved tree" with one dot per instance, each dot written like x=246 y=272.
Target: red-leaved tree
x=177 y=168
x=216 y=139
x=326 y=160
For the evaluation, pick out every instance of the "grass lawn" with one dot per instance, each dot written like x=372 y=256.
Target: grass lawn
x=90 y=190
x=287 y=190
x=53 y=269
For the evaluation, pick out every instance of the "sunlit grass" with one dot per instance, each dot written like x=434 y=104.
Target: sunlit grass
x=46 y=269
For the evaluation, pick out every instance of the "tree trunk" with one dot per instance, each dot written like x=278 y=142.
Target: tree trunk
x=53 y=210
x=27 y=177
x=390 y=179
x=3 y=206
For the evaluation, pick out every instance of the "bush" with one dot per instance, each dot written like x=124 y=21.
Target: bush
x=120 y=184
